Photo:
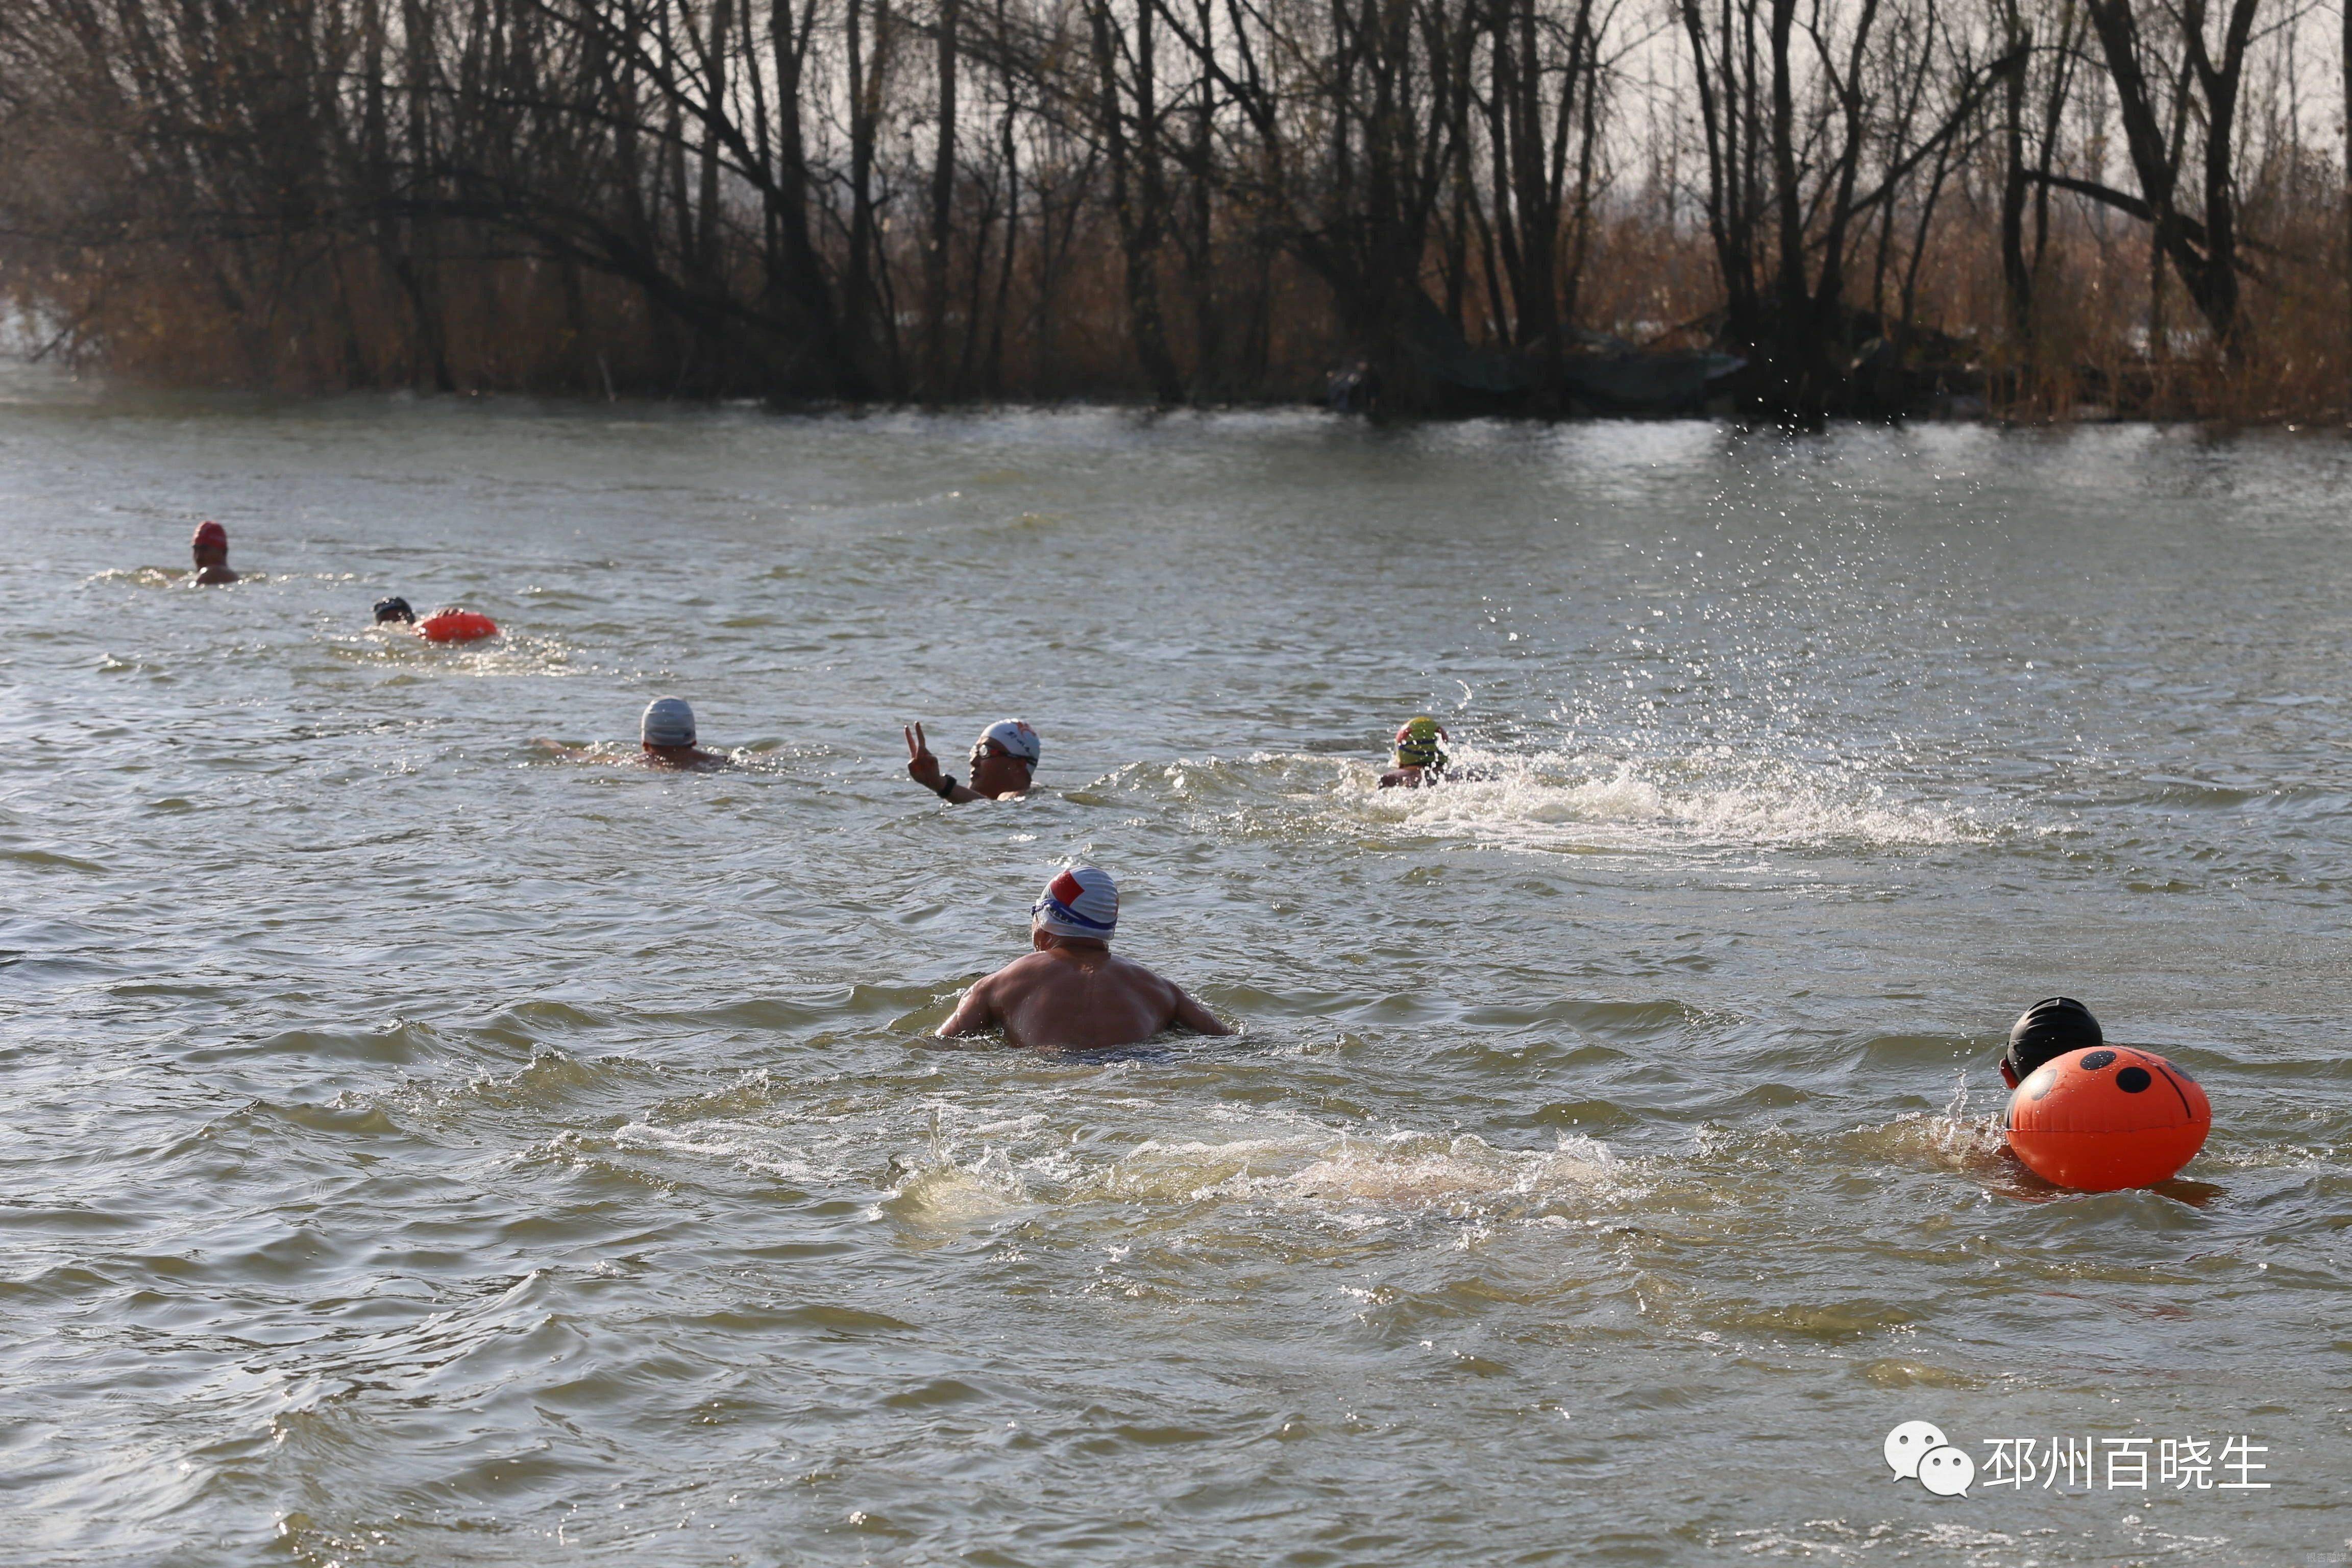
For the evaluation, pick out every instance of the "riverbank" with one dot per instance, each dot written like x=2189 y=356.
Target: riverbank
x=1604 y=380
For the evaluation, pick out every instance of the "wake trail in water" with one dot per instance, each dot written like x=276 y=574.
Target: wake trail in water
x=1564 y=800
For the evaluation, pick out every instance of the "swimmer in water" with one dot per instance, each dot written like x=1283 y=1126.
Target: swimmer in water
x=1421 y=759
x=394 y=611
x=210 y=548
x=1070 y=993
x=2043 y=1033
x=1003 y=760
x=666 y=733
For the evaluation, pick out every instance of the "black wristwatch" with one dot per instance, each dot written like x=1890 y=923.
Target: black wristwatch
x=945 y=790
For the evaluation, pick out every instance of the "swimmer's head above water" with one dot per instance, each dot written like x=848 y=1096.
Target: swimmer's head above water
x=395 y=609
x=1419 y=753
x=666 y=733
x=1420 y=742
x=2043 y=1033
x=1005 y=757
x=210 y=550
x=1080 y=905
x=668 y=721
x=1012 y=738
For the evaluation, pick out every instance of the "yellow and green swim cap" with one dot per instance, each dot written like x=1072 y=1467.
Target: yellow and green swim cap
x=1417 y=744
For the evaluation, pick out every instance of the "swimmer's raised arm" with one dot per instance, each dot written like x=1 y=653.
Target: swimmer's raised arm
x=1191 y=1015
x=975 y=1012
x=924 y=769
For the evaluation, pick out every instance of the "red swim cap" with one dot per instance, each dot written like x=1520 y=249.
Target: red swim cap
x=210 y=532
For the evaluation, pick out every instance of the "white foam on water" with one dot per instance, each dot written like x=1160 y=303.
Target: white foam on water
x=509 y=653
x=1964 y=1140
x=1559 y=800
x=1953 y=1139
x=974 y=1165
x=1394 y=1174
x=735 y=1145
x=948 y=1192
x=138 y=576
x=1415 y=1169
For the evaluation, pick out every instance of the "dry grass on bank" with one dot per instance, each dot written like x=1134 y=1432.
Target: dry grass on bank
x=474 y=312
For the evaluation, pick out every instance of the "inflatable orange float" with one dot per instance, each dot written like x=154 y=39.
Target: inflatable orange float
x=2107 y=1118
x=457 y=625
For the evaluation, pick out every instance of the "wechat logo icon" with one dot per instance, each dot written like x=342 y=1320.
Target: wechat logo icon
x=1917 y=1451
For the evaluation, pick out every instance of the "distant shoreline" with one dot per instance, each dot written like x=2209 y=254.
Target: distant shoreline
x=90 y=386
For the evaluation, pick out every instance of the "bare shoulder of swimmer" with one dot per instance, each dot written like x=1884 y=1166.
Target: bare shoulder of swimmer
x=980 y=1007
x=1162 y=998
x=1116 y=985
x=1185 y=1013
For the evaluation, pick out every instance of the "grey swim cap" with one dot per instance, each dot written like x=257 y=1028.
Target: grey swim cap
x=668 y=722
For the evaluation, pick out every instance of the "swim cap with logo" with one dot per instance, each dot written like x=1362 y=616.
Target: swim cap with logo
x=668 y=721
x=212 y=533
x=2048 y=1031
x=1082 y=902
x=1417 y=744
x=1016 y=736
x=394 y=609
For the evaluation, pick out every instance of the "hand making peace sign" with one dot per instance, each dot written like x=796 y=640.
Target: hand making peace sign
x=923 y=767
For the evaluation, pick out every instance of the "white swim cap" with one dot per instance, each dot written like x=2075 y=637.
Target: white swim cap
x=1083 y=901
x=1016 y=736
x=668 y=721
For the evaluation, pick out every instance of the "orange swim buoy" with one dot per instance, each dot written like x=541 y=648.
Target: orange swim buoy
x=2107 y=1118
x=457 y=625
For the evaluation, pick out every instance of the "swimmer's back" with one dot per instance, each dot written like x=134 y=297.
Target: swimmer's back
x=1059 y=1001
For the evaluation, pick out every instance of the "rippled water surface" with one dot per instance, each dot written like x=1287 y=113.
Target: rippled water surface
x=419 y=1145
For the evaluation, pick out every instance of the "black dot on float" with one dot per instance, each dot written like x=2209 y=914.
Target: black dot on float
x=2097 y=1060
x=2131 y=1080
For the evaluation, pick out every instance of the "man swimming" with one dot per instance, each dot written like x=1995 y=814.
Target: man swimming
x=395 y=611
x=666 y=734
x=1003 y=760
x=1070 y=993
x=2043 y=1033
x=1420 y=756
x=210 y=548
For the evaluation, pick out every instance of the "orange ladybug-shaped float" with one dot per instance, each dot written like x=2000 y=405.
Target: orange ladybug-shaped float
x=457 y=625
x=2107 y=1118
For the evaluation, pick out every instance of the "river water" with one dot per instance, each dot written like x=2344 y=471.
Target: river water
x=423 y=1145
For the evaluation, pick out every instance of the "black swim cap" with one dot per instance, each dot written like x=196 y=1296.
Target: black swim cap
x=2048 y=1031
x=394 y=609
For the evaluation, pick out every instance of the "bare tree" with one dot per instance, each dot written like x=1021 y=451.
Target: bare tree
x=844 y=199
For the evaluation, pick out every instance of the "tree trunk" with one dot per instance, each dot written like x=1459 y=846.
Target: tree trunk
x=2016 y=278
x=1139 y=221
x=935 y=250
